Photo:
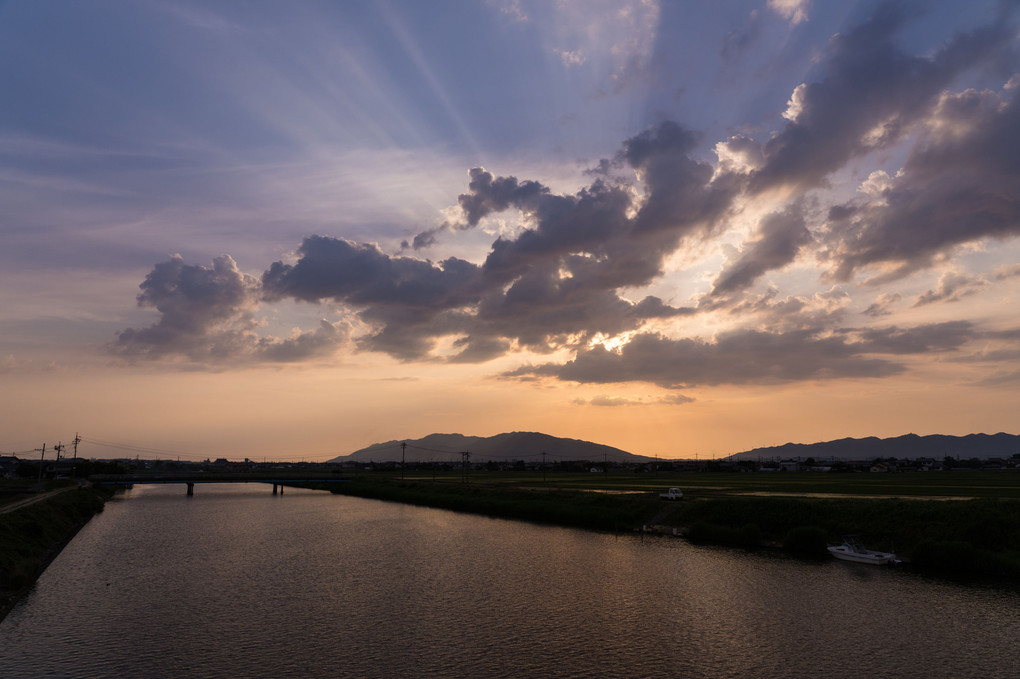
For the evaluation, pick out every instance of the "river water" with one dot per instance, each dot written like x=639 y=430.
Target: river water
x=236 y=582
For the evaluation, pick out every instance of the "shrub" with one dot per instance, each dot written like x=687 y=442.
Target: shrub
x=963 y=557
x=703 y=532
x=806 y=540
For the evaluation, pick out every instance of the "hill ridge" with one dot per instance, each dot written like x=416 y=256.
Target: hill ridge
x=909 y=446
x=527 y=445
x=515 y=445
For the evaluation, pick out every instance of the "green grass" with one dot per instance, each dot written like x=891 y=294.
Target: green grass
x=954 y=484
x=597 y=511
x=912 y=513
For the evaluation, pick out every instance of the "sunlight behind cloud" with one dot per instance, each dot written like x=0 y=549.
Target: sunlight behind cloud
x=788 y=217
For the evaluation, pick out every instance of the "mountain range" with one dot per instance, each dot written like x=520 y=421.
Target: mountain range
x=529 y=446
x=909 y=446
x=518 y=445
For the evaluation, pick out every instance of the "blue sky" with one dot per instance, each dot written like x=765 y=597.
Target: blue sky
x=731 y=224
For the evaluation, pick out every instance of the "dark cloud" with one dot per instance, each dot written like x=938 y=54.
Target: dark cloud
x=779 y=239
x=813 y=313
x=425 y=239
x=593 y=221
x=757 y=357
x=682 y=198
x=544 y=314
x=207 y=316
x=555 y=284
x=479 y=349
x=319 y=342
x=922 y=339
x=870 y=94
x=411 y=302
x=741 y=357
x=489 y=194
x=559 y=282
x=203 y=311
x=961 y=184
x=360 y=274
x=682 y=195
x=882 y=304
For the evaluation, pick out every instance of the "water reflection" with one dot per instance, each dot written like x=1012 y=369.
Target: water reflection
x=236 y=582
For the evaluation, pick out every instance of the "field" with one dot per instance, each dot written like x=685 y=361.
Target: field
x=966 y=521
x=1003 y=485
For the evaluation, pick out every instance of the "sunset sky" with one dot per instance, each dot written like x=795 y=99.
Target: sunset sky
x=293 y=229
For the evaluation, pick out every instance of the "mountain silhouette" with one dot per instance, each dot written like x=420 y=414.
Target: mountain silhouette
x=529 y=446
x=909 y=446
x=518 y=445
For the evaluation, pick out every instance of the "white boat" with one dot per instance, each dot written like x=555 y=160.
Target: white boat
x=853 y=550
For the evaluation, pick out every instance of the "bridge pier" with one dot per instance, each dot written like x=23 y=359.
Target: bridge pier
x=191 y=489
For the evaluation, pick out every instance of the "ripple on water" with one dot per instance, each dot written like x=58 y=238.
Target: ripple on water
x=237 y=582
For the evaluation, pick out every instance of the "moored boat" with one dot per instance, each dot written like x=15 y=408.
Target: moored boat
x=853 y=549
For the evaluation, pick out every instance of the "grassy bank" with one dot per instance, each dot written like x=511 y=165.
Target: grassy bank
x=594 y=511
x=32 y=536
x=980 y=536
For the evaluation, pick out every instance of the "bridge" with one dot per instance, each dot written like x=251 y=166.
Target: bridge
x=278 y=479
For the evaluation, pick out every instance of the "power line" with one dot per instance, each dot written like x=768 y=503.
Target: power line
x=134 y=447
x=143 y=450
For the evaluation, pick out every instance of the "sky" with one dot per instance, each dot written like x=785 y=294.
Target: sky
x=289 y=230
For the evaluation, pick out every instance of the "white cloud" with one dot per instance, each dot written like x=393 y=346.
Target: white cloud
x=571 y=58
x=795 y=106
x=877 y=182
x=794 y=11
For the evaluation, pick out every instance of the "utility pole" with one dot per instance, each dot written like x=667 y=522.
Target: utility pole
x=403 y=447
x=59 y=448
x=465 y=456
x=41 y=458
x=543 y=467
x=74 y=462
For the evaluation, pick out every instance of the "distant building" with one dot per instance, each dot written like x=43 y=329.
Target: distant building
x=8 y=464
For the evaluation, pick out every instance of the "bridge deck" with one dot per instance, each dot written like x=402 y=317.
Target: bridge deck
x=124 y=479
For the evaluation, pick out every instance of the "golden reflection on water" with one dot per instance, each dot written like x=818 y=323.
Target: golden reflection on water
x=237 y=582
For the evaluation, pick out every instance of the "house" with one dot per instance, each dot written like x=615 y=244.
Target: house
x=8 y=464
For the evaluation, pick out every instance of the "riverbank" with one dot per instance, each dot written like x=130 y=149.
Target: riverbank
x=594 y=511
x=32 y=536
x=977 y=537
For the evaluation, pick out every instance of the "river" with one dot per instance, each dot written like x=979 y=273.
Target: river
x=237 y=582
